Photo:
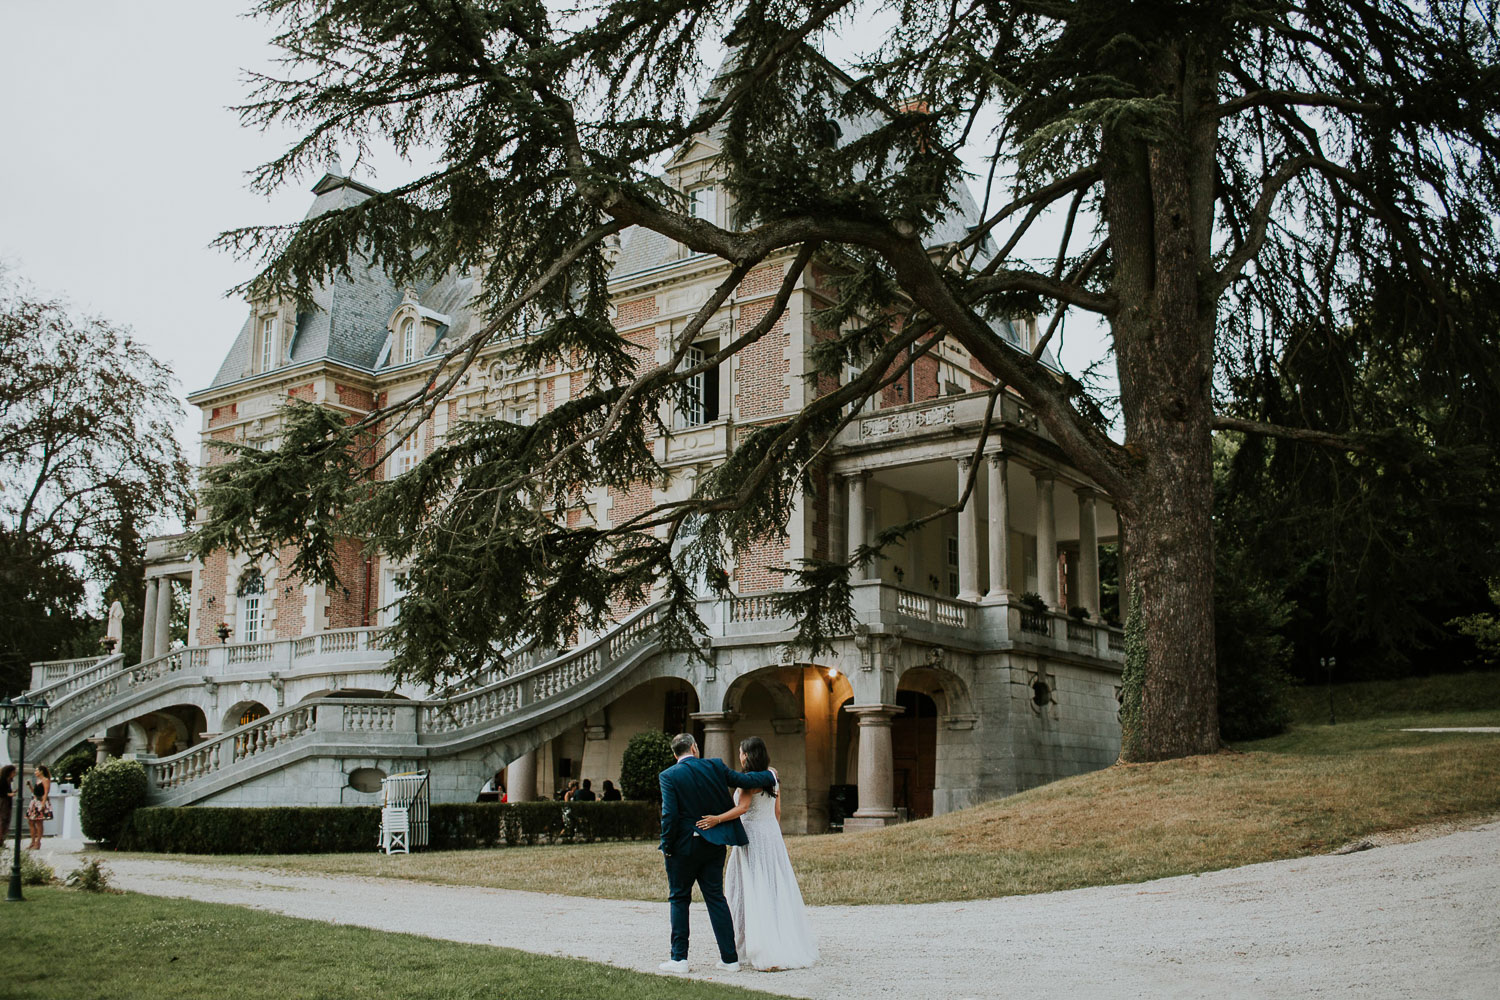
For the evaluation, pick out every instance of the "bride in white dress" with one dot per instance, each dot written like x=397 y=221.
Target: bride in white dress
x=771 y=929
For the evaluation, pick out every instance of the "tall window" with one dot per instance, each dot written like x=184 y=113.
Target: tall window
x=405 y=455
x=703 y=203
x=699 y=403
x=392 y=589
x=251 y=592
x=267 y=342
x=408 y=341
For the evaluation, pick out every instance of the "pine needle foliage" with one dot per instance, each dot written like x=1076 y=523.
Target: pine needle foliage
x=1224 y=172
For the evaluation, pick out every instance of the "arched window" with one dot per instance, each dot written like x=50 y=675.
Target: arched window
x=408 y=341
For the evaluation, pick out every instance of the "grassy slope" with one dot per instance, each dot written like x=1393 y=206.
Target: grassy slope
x=76 y=946
x=1300 y=793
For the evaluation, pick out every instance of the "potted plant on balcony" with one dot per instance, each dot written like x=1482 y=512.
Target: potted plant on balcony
x=1032 y=601
x=1079 y=612
x=223 y=631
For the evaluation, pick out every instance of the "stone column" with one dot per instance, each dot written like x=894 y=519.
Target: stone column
x=163 y=627
x=520 y=778
x=102 y=746
x=718 y=737
x=968 y=539
x=999 y=529
x=856 y=483
x=1046 y=538
x=148 y=623
x=877 y=784
x=1088 y=550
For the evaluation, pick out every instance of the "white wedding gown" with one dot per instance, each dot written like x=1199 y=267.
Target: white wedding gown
x=771 y=930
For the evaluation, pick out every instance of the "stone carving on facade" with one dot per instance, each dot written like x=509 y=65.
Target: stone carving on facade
x=906 y=421
x=278 y=684
x=878 y=645
x=709 y=657
x=211 y=687
x=1043 y=692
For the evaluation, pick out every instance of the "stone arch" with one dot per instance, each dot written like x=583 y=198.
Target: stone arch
x=939 y=682
x=934 y=768
x=242 y=713
x=594 y=746
x=774 y=680
x=167 y=730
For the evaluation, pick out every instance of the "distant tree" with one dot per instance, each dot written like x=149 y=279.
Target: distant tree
x=1223 y=172
x=1374 y=550
x=88 y=459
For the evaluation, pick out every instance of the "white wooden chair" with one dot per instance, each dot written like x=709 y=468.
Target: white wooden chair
x=395 y=830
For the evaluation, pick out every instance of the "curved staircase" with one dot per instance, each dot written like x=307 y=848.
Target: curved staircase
x=498 y=709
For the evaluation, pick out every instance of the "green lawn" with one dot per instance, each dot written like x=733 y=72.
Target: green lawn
x=1304 y=792
x=67 y=945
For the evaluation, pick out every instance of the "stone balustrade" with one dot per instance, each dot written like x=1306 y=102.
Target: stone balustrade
x=394 y=724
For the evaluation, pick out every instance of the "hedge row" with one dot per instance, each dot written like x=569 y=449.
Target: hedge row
x=343 y=829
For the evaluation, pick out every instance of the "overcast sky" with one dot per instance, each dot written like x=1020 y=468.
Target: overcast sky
x=122 y=161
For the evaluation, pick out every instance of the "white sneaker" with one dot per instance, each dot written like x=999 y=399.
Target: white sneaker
x=728 y=966
x=671 y=965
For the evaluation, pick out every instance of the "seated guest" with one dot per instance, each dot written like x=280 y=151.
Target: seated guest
x=611 y=793
x=571 y=791
x=494 y=789
x=586 y=793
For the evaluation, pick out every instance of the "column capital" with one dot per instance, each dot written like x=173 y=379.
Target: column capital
x=855 y=474
x=715 y=720
x=874 y=715
x=997 y=458
x=1088 y=493
x=1043 y=475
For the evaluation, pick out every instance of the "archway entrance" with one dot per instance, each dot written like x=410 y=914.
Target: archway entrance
x=914 y=749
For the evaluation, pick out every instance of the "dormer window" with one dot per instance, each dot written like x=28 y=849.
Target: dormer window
x=408 y=341
x=703 y=203
x=267 y=343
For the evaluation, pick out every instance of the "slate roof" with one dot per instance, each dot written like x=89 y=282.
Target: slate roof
x=349 y=323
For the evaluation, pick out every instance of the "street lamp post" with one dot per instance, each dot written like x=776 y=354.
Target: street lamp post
x=21 y=714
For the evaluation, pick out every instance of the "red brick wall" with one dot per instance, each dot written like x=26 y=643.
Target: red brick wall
x=211 y=585
x=302 y=392
x=223 y=414
x=754 y=565
x=760 y=383
x=359 y=399
x=636 y=311
x=291 y=609
x=350 y=603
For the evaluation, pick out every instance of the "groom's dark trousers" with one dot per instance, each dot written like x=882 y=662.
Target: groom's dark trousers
x=691 y=789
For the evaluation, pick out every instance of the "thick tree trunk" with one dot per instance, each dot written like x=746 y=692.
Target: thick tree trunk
x=1158 y=204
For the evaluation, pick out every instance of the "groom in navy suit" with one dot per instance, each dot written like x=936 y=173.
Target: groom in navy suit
x=691 y=789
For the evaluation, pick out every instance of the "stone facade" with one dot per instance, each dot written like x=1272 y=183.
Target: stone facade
x=951 y=691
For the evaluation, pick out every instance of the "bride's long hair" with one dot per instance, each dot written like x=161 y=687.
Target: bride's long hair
x=757 y=758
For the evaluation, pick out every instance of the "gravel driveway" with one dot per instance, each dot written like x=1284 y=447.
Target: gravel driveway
x=1418 y=919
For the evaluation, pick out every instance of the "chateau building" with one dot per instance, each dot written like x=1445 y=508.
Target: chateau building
x=950 y=690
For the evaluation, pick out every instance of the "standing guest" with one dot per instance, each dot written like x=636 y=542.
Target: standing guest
x=586 y=793
x=40 y=809
x=611 y=793
x=8 y=792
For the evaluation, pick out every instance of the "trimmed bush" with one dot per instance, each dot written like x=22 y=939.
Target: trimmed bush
x=269 y=830
x=647 y=755
x=73 y=765
x=349 y=829
x=109 y=794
